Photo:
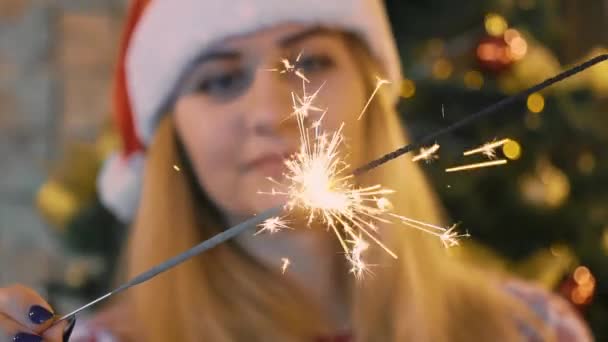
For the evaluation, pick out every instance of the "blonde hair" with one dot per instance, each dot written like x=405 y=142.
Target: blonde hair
x=226 y=295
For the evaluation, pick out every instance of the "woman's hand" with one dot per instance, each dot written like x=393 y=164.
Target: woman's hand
x=26 y=317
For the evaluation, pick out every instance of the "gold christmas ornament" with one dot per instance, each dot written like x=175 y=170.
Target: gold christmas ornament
x=72 y=181
x=56 y=203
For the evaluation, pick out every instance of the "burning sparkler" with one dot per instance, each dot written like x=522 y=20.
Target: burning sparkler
x=427 y=154
x=487 y=149
x=317 y=181
x=273 y=225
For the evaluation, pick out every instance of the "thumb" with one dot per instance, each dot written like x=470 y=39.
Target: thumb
x=60 y=332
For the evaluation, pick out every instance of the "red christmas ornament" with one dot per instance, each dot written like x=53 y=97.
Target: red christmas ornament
x=579 y=287
x=493 y=54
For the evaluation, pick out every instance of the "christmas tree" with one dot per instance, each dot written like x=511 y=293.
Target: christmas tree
x=544 y=212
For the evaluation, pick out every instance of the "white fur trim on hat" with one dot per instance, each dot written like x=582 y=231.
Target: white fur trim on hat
x=172 y=33
x=119 y=184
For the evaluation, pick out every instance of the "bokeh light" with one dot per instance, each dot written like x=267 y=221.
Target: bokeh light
x=512 y=149
x=442 y=69
x=495 y=24
x=581 y=275
x=518 y=48
x=408 y=88
x=605 y=240
x=473 y=79
x=511 y=34
x=585 y=286
x=586 y=163
x=536 y=103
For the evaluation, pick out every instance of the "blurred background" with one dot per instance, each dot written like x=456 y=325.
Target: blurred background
x=543 y=216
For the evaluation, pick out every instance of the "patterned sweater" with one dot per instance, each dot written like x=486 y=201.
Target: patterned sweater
x=557 y=314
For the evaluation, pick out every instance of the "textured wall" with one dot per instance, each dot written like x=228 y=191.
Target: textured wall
x=55 y=69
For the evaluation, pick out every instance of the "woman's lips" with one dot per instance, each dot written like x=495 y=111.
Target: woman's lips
x=269 y=165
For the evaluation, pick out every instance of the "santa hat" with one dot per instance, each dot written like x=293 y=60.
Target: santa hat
x=162 y=38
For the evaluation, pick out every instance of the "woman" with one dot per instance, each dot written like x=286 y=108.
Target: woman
x=197 y=100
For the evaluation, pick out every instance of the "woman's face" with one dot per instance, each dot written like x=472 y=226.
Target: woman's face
x=233 y=112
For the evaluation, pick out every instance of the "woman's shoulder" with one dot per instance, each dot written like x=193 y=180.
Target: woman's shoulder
x=558 y=314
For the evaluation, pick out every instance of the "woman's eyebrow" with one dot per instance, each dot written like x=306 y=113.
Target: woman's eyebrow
x=218 y=55
x=302 y=35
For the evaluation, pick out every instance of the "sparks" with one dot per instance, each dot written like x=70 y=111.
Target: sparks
x=288 y=67
x=176 y=168
x=273 y=225
x=448 y=236
x=358 y=266
x=477 y=165
x=487 y=149
x=451 y=237
x=302 y=106
x=318 y=181
x=379 y=83
x=286 y=264
x=427 y=154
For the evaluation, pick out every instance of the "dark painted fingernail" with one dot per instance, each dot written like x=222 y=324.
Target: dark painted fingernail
x=67 y=332
x=23 y=337
x=39 y=315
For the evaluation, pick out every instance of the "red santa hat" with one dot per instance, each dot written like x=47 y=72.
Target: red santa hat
x=162 y=38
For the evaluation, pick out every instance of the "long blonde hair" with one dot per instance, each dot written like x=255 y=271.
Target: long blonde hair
x=226 y=295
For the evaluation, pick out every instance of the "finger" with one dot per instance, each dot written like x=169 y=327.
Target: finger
x=60 y=331
x=13 y=331
x=26 y=307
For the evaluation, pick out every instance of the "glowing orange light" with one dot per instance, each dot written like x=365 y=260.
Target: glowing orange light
x=582 y=275
x=510 y=34
x=518 y=48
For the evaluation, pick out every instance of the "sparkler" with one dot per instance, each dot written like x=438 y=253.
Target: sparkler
x=316 y=181
x=427 y=154
x=256 y=220
x=273 y=225
x=487 y=149
x=477 y=165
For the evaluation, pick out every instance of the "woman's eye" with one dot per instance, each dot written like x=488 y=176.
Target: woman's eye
x=311 y=64
x=223 y=84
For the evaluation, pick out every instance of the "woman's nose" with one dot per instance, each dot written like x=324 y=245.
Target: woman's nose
x=270 y=103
